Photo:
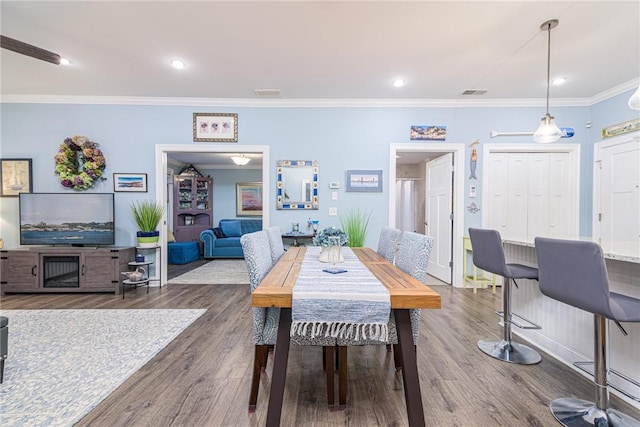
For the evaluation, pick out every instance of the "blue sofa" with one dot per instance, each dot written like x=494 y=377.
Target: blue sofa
x=224 y=240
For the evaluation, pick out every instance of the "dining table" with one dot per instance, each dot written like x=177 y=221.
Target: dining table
x=276 y=290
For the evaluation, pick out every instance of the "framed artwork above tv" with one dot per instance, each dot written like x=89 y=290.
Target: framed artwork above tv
x=15 y=176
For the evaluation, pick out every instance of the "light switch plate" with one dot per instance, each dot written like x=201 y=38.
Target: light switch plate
x=334 y=195
x=333 y=211
x=334 y=184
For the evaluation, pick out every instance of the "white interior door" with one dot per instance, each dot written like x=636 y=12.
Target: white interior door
x=439 y=210
x=620 y=197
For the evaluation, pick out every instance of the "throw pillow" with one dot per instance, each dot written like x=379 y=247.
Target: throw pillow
x=218 y=233
x=231 y=228
x=170 y=237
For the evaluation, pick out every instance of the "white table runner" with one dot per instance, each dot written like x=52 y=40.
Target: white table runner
x=351 y=305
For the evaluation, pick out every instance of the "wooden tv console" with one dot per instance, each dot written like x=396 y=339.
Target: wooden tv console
x=64 y=269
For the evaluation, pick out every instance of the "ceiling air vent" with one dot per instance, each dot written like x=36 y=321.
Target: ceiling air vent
x=267 y=93
x=475 y=92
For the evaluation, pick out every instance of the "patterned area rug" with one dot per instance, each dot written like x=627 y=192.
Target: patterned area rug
x=216 y=272
x=62 y=363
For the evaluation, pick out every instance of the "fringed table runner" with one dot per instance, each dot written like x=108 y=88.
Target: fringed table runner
x=351 y=305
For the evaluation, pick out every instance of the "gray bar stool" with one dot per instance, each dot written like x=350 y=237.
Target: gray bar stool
x=488 y=255
x=575 y=273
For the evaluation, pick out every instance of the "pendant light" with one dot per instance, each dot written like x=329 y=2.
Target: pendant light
x=634 y=101
x=548 y=130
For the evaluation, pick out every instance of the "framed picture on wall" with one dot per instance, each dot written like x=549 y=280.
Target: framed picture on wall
x=131 y=182
x=15 y=176
x=428 y=133
x=364 y=181
x=249 y=199
x=215 y=127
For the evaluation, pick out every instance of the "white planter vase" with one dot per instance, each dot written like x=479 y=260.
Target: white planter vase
x=326 y=252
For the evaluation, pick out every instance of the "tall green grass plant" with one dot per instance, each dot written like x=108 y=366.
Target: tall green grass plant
x=147 y=214
x=355 y=223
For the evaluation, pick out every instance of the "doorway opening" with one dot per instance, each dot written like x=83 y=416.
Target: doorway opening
x=421 y=153
x=161 y=162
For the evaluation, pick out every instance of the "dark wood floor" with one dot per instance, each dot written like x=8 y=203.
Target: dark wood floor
x=202 y=377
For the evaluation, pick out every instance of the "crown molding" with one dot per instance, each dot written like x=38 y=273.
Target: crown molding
x=318 y=103
x=614 y=91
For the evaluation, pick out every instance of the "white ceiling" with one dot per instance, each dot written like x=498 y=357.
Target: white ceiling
x=204 y=161
x=315 y=50
x=320 y=50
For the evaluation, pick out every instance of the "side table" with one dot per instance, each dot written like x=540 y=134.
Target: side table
x=474 y=278
x=296 y=236
x=135 y=284
x=157 y=251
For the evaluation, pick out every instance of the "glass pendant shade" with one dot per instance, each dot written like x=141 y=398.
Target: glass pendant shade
x=548 y=131
x=634 y=101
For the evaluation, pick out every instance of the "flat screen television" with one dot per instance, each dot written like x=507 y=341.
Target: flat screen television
x=77 y=219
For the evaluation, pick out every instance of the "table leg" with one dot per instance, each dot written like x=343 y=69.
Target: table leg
x=278 y=377
x=410 y=377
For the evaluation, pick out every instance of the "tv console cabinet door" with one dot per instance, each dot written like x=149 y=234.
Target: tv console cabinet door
x=19 y=271
x=97 y=271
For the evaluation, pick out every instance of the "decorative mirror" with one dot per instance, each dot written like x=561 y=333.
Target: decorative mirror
x=297 y=184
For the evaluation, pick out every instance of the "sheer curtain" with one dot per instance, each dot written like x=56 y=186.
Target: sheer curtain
x=405 y=205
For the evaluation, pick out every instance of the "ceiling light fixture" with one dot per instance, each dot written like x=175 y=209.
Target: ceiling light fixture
x=634 y=101
x=240 y=160
x=64 y=61
x=177 y=64
x=548 y=130
x=398 y=83
x=558 y=81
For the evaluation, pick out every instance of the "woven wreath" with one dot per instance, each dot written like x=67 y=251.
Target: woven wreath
x=80 y=163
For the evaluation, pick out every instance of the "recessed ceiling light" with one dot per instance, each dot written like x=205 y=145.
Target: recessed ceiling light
x=398 y=82
x=558 y=81
x=177 y=64
x=64 y=61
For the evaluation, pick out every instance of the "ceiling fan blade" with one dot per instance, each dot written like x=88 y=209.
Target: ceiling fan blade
x=29 y=50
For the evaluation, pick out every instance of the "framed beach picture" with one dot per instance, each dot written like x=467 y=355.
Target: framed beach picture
x=249 y=199
x=133 y=182
x=364 y=181
x=215 y=127
x=15 y=176
x=621 y=128
x=428 y=133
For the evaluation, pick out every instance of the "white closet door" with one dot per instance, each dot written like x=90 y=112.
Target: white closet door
x=560 y=196
x=517 y=181
x=497 y=173
x=538 y=195
x=530 y=194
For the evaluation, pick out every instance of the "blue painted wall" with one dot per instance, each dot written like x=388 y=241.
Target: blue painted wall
x=340 y=138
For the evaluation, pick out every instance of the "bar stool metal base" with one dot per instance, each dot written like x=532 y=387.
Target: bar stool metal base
x=509 y=351
x=572 y=412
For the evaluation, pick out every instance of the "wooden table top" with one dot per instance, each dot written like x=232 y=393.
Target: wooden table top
x=276 y=288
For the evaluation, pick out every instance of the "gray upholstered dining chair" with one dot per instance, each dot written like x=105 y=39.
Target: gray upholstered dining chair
x=488 y=255
x=414 y=251
x=265 y=320
x=275 y=243
x=575 y=273
x=388 y=243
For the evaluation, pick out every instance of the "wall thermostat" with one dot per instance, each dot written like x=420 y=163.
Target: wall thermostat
x=334 y=184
